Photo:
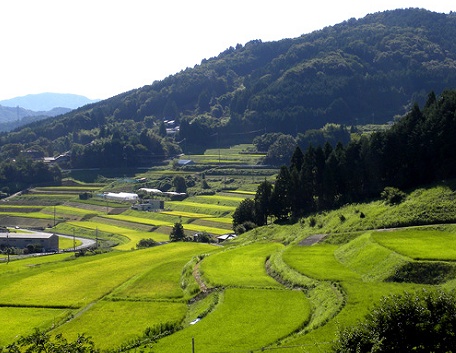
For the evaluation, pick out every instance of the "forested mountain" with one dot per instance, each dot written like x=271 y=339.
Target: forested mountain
x=357 y=72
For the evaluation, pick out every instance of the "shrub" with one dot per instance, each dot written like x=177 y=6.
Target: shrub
x=392 y=196
x=312 y=221
x=146 y=243
x=420 y=322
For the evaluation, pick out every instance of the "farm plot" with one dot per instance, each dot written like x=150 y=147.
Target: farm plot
x=369 y=259
x=69 y=212
x=127 y=319
x=159 y=223
x=131 y=236
x=158 y=281
x=244 y=320
x=243 y=266
x=79 y=282
x=317 y=261
x=16 y=321
x=188 y=206
x=19 y=209
x=421 y=243
x=218 y=199
x=360 y=298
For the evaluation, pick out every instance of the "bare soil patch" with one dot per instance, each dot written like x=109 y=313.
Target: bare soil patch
x=313 y=239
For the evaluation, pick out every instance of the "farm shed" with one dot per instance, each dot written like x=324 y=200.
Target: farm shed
x=224 y=237
x=47 y=241
x=120 y=196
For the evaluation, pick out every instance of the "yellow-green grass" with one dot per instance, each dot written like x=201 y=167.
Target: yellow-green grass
x=232 y=201
x=317 y=261
x=66 y=243
x=360 y=299
x=202 y=228
x=215 y=223
x=242 y=266
x=241 y=192
x=186 y=214
x=244 y=320
x=79 y=282
x=421 y=243
x=113 y=323
x=187 y=206
x=160 y=216
x=16 y=321
x=155 y=222
x=218 y=197
x=132 y=236
x=24 y=265
x=369 y=259
x=201 y=205
x=38 y=215
x=68 y=210
x=139 y=220
x=159 y=280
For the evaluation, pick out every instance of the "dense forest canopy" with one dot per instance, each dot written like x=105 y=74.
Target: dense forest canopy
x=417 y=150
x=357 y=72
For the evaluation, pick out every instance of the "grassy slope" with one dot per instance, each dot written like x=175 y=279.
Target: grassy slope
x=340 y=279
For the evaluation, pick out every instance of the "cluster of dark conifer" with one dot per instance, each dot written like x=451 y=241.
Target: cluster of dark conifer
x=420 y=148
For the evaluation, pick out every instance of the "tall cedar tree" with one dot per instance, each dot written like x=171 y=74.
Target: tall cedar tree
x=280 y=197
x=263 y=203
x=177 y=233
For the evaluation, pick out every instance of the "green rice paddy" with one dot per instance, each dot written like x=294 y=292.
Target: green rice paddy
x=266 y=290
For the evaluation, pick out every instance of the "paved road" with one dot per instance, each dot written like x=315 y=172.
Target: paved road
x=86 y=243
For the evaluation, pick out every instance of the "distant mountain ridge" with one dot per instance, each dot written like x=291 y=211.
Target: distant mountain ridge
x=47 y=101
x=370 y=70
x=12 y=118
x=19 y=111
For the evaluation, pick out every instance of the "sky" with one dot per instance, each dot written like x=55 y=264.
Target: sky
x=100 y=48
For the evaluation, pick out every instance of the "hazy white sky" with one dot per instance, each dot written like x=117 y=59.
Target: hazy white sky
x=99 y=48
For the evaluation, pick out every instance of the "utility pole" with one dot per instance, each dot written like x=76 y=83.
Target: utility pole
x=7 y=245
x=193 y=345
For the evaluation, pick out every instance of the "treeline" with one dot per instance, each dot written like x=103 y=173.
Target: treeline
x=418 y=149
x=18 y=174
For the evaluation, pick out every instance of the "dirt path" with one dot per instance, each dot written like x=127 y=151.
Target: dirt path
x=313 y=239
x=197 y=275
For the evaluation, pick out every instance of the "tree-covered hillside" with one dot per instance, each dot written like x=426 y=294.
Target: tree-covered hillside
x=417 y=150
x=357 y=72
